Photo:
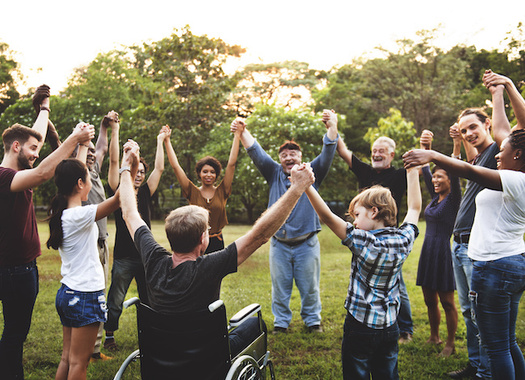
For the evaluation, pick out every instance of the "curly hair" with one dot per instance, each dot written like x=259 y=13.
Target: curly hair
x=211 y=161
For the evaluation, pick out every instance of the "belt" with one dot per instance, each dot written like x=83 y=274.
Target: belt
x=293 y=243
x=18 y=268
x=462 y=237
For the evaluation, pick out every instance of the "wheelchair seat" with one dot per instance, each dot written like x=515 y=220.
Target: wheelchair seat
x=196 y=345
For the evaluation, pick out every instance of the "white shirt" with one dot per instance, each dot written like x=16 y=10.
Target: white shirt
x=499 y=223
x=81 y=268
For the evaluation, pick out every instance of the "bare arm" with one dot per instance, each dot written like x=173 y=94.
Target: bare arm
x=344 y=152
x=41 y=104
x=101 y=147
x=232 y=162
x=52 y=136
x=30 y=178
x=500 y=123
x=272 y=219
x=108 y=206
x=489 y=178
x=334 y=222
x=456 y=136
x=114 y=156
x=330 y=120
x=516 y=100
x=413 y=196
x=82 y=152
x=184 y=182
x=128 y=198
x=247 y=139
x=154 y=177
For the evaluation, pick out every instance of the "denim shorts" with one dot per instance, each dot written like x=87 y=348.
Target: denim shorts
x=77 y=309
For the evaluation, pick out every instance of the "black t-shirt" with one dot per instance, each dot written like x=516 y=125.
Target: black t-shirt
x=467 y=208
x=394 y=179
x=189 y=287
x=124 y=246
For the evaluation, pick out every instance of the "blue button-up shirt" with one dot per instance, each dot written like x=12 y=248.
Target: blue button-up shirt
x=303 y=219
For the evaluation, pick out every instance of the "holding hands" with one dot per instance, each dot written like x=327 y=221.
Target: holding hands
x=131 y=157
x=329 y=119
x=417 y=157
x=110 y=119
x=41 y=98
x=237 y=126
x=84 y=132
x=164 y=134
x=425 y=141
x=302 y=176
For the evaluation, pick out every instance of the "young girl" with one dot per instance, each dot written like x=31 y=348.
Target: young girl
x=80 y=301
x=212 y=198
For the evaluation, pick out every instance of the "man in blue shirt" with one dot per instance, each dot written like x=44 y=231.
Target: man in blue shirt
x=295 y=252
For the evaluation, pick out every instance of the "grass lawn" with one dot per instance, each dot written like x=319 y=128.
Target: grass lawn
x=297 y=355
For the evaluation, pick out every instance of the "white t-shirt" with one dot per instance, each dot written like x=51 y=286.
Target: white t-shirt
x=499 y=223
x=81 y=267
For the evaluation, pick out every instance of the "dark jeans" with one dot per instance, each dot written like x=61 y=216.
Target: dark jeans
x=216 y=244
x=367 y=351
x=122 y=273
x=497 y=287
x=243 y=335
x=18 y=291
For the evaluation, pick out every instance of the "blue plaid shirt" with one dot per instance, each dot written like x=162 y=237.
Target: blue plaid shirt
x=373 y=292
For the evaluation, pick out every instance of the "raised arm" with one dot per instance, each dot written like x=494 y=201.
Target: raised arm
x=516 y=100
x=470 y=151
x=489 y=178
x=334 y=222
x=101 y=147
x=344 y=152
x=500 y=123
x=413 y=196
x=232 y=160
x=329 y=119
x=272 y=219
x=30 y=178
x=154 y=177
x=114 y=155
x=41 y=104
x=247 y=139
x=183 y=179
x=128 y=198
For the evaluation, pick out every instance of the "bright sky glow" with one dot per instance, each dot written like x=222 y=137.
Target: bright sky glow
x=52 y=38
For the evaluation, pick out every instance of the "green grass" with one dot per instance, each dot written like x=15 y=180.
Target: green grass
x=297 y=355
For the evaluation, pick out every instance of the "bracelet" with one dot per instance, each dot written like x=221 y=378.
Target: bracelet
x=44 y=108
x=87 y=146
x=124 y=169
x=454 y=156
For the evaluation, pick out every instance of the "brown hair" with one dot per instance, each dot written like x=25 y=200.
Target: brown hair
x=19 y=133
x=380 y=197
x=478 y=112
x=185 y=226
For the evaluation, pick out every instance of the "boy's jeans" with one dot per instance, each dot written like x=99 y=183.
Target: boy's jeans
x=368 y=351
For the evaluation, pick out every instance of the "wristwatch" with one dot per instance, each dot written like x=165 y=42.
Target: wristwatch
x=123 y=169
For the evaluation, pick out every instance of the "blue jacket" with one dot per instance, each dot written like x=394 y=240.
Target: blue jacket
x=303 y=218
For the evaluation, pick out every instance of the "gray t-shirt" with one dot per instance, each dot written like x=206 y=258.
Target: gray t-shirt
x=189 y=287
x=467 y=208
x=97 y=195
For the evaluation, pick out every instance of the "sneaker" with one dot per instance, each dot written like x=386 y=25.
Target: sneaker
x=279 y=330
x=99 y=356
x=315 y=329
x=110 y=344
x=468 y=372
x=405 y=337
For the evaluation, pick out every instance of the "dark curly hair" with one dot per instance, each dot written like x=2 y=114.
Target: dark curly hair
x=208 y=160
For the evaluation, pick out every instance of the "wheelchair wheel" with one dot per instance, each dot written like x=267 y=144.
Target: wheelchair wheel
x=244 y=368
x=130 y=368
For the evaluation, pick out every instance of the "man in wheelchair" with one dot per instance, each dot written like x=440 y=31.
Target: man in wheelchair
x=185 y=280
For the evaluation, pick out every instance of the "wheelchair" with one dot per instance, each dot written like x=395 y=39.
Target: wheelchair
x=196 y=346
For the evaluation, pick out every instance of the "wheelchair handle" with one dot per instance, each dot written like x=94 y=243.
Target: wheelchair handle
x=215 y=305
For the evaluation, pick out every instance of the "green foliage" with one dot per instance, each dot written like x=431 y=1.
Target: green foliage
x=399 y=130
x=9 y=69
x=283 y=84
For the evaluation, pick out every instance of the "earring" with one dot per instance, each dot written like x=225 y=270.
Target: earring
x=515 y=158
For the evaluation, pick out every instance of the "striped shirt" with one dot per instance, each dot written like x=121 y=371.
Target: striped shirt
x=378 y=255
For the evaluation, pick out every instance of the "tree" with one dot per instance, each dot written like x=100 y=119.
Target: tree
x=283 y=84
x=9 y=71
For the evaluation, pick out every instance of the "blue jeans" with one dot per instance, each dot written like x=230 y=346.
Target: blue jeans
x=302 y=263
x=497 y=287
x=18 y=291
x=122 y=273
x=367 y=351
x=463 y=275
x=404 y=318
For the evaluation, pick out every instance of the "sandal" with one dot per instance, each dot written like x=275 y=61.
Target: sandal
x=110 y=344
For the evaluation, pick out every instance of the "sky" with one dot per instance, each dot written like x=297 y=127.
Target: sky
x=50 y=39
